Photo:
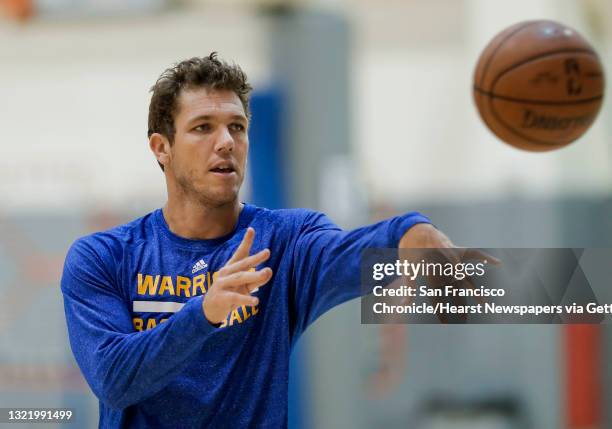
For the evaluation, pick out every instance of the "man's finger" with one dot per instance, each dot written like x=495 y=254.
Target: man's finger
x=243 y=290
x=467 y=283
x=249 y=289
x=235 y=299
x=247 y=263
x=451 y=254
x=250 y=279
x=479 y=255
x=254 y=286
x=244 y=248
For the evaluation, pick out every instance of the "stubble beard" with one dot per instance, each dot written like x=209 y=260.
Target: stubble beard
x=214 y=200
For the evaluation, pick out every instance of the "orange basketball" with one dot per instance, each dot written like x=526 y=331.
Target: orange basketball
x=538 y=85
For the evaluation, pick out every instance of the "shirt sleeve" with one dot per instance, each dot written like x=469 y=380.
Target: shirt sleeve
x=122 y=366
x=327 y=261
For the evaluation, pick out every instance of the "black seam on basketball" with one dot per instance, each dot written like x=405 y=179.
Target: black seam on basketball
x=537 y=57
x=486 y=121
x=490 y=59
x=543 y=102
x=524 y=137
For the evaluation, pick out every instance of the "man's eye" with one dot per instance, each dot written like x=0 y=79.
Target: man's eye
x=237 y=127
x=203 y=128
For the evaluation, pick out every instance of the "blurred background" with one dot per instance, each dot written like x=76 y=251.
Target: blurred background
x=361 y=109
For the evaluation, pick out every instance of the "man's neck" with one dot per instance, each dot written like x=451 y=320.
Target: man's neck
x=196 y=221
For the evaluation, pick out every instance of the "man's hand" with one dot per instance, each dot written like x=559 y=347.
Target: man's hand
x=424 y=236
x=432 y=245
x=234 y=282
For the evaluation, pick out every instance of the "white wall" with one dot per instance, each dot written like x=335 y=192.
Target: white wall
x=74 y=100
x=418 y=133
x=74 y=97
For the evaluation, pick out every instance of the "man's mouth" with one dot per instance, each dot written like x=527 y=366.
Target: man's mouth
x=224 y=170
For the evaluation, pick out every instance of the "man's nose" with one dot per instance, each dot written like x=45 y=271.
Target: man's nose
x=224 y=140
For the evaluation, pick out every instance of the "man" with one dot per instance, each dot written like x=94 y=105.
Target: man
x=185 y=318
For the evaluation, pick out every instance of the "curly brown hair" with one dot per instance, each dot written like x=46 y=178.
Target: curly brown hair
x=197 y=72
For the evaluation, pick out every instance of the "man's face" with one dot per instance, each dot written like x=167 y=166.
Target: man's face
x=208 y=156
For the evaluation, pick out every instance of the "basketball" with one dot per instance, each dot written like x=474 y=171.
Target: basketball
x=538 y=85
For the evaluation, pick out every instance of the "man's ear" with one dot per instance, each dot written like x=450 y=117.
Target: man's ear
x=160 y=146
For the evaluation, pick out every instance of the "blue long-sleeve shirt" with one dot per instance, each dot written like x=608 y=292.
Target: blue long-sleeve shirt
x=133 y=302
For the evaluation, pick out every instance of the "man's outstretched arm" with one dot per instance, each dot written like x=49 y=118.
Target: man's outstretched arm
x=327 y=259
